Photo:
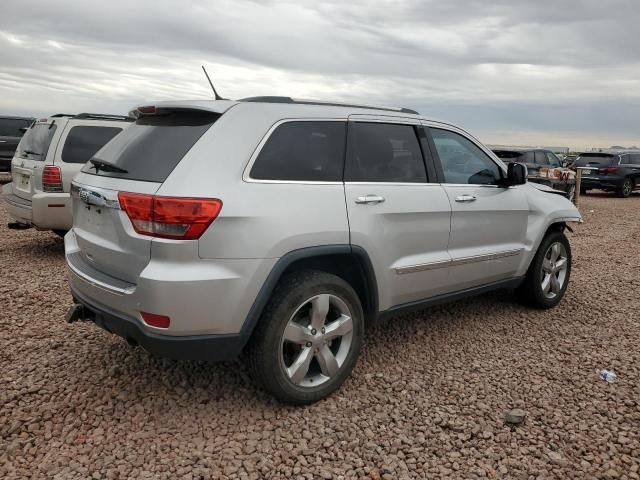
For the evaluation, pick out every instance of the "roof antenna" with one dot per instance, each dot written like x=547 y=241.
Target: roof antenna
x=215 y=94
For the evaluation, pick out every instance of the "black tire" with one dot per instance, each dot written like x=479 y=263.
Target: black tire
x=60 y=233
x=265 y=350
x=625 y=189
x=530 y=292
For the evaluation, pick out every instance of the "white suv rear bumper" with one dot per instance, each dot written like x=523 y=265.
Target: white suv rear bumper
x=45 y=211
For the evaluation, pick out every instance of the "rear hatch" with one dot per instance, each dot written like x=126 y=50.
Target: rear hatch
x=115 y=189
x=30 y=156
x=597 y=160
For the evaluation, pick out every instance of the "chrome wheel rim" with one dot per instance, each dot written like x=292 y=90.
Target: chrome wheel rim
x=554 y=270
x=317 y=340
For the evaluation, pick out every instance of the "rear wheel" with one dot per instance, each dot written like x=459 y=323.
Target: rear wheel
x=308 y=339
x=548 y=276
x=625 y=189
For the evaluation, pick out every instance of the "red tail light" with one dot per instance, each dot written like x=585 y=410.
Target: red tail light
x=155 y=320
x=169 y=217
x=608 y=170
x=51 y=179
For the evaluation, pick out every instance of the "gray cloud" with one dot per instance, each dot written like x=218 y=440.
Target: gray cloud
x=507 y=70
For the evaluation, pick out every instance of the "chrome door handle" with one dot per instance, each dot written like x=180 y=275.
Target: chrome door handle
x=373 y=199
x=465 y=198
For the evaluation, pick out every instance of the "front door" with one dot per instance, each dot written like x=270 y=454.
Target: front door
x=396 y=213
x=488 y=221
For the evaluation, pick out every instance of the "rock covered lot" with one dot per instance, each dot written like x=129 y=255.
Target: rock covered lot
x=427 y=399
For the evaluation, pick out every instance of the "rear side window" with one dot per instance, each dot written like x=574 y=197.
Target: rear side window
x=383 y=152
x=84 y=141
x=35 y=143
x=151 y=148
x=303 y=151
x=10 y=127
x=541 y=158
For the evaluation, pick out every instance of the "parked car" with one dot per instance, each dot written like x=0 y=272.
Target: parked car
x=617 y=172
x=267 y=226
x=543 y=166
x=51 y=153
x=11 y=131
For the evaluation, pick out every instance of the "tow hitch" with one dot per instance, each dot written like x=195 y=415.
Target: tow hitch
x=18 y=226
x=77 y=312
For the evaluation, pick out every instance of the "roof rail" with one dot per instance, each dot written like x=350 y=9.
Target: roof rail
x=276 y=99
x=103 y=116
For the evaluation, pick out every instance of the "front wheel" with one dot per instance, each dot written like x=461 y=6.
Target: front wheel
x=548 y=276
x=625 y=189
x=308 y=338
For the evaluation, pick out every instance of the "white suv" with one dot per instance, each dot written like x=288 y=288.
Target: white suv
x=281 y=228
x=51 y=152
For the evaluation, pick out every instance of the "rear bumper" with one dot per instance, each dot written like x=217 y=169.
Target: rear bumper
x=602 y=182
x=194 y=347
x=45 y=211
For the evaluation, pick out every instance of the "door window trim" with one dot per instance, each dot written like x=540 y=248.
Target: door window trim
x=246 y=174
x=436 y=158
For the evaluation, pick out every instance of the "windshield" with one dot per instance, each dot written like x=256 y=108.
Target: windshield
x=595 y=159
x=35 y=142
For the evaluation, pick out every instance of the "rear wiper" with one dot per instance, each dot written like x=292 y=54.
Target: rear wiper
x=106 y=166
x=31 y=152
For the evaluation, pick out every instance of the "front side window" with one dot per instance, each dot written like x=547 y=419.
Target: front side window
x=463 y=162
x=84 y=141
x=303 y=151
x=554 y=161
x=384 y=152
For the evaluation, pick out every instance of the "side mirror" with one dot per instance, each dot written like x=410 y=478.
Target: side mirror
x=516 y=174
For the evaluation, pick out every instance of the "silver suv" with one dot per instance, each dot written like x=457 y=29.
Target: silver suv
x=281 y=228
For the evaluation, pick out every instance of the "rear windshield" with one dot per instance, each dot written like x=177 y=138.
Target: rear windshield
x=84 y=141
x=11 y=127
x=35 y=143
x=507 y=154
x=151 y=148
x=597 y=159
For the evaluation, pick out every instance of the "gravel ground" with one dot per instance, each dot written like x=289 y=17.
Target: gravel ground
x=427 y=399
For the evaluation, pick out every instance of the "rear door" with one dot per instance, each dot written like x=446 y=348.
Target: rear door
x=138 y=161
x=37 y=144
x=488 y=222
x=10 y=135
x=397 y=212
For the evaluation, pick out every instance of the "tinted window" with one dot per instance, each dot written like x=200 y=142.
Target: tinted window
x=541 y=158
x=528 y=157
x=383 y=152
x=595 y=159
x=152 y=147
x=635 y=158
x=305 y=151
x=10 y=127
x=554 y=161
x=509 y=155
x=625 y=159
x=463 y=161
x=83 y=142
x=35 y=143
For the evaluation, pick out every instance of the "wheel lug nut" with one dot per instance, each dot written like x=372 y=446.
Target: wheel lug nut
x=308 y=344
x=322 y=330
x=313 y=331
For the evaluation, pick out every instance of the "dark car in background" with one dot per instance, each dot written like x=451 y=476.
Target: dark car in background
x=11 y=131
x=617 y=172
x=543 y=166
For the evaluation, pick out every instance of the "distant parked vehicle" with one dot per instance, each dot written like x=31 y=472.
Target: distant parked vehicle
x=543 y=166
x=614 y=172
x=51 y=153
x=11 y=131
x=285 y=225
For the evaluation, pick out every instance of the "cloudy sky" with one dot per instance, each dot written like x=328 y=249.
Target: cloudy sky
x=512 y=72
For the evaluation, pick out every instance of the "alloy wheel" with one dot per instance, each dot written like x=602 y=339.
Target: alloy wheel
x=317 y=340
x=554 y=270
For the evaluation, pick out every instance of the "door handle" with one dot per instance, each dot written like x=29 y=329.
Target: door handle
x=372 y=199
x=465 y=198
